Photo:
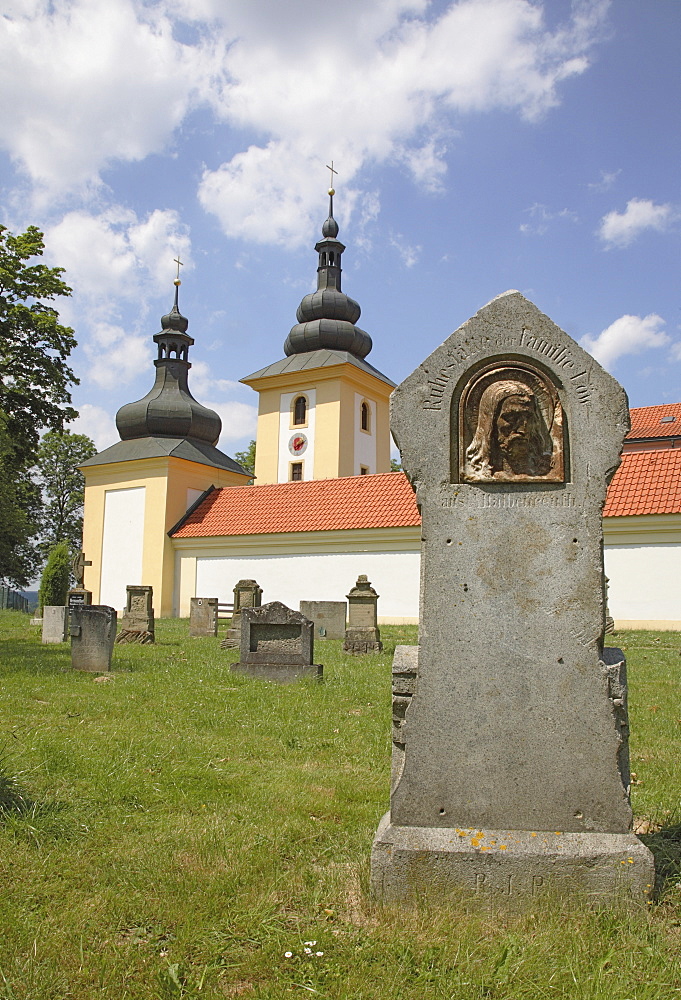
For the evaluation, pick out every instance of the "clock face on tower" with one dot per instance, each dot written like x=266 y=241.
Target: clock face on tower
x=297 y=444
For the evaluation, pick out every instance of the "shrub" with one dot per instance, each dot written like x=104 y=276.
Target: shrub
x=54 y=583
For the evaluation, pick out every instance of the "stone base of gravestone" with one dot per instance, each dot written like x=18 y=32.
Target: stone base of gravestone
x=328 y=618
x=232 y=639
x=78 y=598
x=55 y=623
x=277 y=644
x=93 y=633
x=508 y=868
x=360 y=640
x=203 y=617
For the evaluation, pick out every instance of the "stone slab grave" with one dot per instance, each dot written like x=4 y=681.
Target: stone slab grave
x=55 y=623
x=137 y=623
x=362 y=634
x=247 y=594
x=510 y=730
x=328 y=618
x=93 y=633
x=277 y=644
x=203 y=616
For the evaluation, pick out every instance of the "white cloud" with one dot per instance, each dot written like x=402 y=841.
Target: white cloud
x=97 y=424
x=542 y=217
x=116 y=357
x=627 y=335
x=619 y=229
x=239 y=420
x=408 y=254
x=88 y=82
x=608 y=178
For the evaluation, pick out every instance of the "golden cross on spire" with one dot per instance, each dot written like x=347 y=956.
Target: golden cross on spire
x=331 y=191
x=180 y=263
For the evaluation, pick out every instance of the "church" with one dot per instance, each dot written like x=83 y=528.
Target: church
x=165 y=507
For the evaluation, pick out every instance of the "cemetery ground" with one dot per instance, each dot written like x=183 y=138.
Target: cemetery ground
x=171 y=829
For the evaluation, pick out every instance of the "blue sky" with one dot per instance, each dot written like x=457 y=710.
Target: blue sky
x=481 y=145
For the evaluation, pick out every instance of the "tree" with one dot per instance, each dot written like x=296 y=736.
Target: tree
x=59 y=455
x=247 y=458
x=34 y=388
x=54 y=583
x=395 y=466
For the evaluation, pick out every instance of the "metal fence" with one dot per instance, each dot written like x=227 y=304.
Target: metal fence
x=13 y=600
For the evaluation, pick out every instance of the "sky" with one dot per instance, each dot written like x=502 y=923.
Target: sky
x=481 y=145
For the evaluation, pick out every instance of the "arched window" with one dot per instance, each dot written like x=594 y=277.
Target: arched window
x=300 y=411
x=365 y=417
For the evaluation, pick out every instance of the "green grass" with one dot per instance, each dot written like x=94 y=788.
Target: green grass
x=175 y=829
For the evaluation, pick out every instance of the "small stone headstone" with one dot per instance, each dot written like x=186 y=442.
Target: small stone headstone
x=203 y=616
x=362 y=634
x=55 y=623
x=93 y=633
x=328 y=618
x=137 y=623
x=277 y=644
x=78 y=597
x=510 y=731
x=247 y=594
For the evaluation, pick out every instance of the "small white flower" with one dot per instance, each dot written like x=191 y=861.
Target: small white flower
x=288 y=954
x=319 y=954
x=309 y=944
x=308 y=951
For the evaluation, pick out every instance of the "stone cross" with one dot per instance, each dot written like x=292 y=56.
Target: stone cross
x=78 y=564
x=510 y=752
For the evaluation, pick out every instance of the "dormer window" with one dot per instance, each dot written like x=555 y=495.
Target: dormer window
x=300 y=411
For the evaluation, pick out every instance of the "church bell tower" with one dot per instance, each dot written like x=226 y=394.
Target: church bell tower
x=323 y=409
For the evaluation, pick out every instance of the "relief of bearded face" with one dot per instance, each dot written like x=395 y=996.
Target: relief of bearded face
x=512 y=440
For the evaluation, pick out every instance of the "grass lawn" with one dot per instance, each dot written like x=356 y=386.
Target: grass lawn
x=175 y=830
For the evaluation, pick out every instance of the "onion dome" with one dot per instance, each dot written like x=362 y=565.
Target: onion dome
x=327 y=317
x=169 y=409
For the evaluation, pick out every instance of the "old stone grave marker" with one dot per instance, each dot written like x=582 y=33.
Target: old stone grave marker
x=137 y=623
x=247 y=594
x=277 y=644
x=203 y=616
x=328 y=618
x=510 y=759
x=55 y=623
x=362 y=634
x=93 y=633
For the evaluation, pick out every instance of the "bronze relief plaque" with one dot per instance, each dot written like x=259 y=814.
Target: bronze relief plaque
x=510 y=427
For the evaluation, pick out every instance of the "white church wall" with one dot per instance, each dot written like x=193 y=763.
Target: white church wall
x=287 y=432
x=644 y=588
x=365 y=441
x=122 y=544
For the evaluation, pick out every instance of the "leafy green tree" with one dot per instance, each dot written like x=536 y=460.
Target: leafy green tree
x=34 y=388
x=247 y=458
x=395 y=466
x=54 y=583
x=63 y=486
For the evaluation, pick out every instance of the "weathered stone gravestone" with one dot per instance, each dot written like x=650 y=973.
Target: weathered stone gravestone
x=247 y=594
x=362 y=634
x=93 y=633
x=55 y=623
x=277 y=644
x=328 y=618
x=79 y=596
x=137 y=623
x=203 y=616
x=511 y=772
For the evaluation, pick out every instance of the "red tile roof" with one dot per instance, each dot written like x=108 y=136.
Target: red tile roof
x=383 y=501
x=647 y=482
x=645 y=421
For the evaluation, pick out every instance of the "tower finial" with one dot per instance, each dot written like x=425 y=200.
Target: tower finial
x=331 y=188
x=177 y=282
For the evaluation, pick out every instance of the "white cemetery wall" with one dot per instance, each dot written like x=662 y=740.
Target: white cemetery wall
x=122 y=544
x=644 y=589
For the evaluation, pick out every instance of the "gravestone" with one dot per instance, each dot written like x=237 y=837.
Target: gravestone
x=203 y=616
x=277 y=644
x=137 y=623
x=328 y=618
x=79 y=596
x=247 y=594
x=93 y=633
x=362 y=634
x=55 y=623
x=510 y=752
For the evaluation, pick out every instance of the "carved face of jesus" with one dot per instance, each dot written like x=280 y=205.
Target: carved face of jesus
x=514 y=423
